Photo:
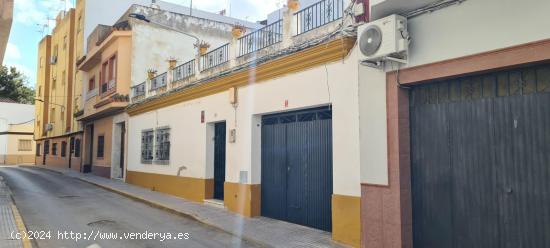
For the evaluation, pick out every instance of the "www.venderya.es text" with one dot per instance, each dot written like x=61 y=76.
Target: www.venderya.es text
x=99 y=235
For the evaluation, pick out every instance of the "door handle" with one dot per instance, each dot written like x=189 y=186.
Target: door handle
x=509 y=190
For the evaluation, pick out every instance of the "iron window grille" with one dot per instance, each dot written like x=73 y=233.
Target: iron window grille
x=162 y=145
x=63 y=149
x=184 y=71
x=261 y=38
x=318 y=15
x=147 y=146
x=100 y=146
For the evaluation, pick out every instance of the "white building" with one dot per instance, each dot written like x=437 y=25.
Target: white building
x=16 y=133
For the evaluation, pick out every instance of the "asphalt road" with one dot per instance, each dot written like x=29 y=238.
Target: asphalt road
x=51 y=202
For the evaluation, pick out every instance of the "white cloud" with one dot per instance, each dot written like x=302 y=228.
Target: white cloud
x=12 y=52
x=37 y=12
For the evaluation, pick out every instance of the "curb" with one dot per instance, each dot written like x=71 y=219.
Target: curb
x=161 y=207
x=20 y=225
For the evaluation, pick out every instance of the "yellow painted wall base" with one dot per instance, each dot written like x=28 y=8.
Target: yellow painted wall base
x=194 y=189
x=244 y=199
x=17 y=159
x=346 y=219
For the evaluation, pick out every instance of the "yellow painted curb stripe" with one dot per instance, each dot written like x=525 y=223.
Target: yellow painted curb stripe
x=21 y=226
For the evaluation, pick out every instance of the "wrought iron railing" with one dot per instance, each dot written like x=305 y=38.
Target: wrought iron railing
x=184 y=71
x=159 y=81
x=138 y=90
x=215 y=58
x=319 y=14
x=261 y=38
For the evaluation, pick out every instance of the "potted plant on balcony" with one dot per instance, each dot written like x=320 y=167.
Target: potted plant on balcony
x=238 y=30
x=172 y=62
x=151 y=74
x=293 y=5
x=203 y=47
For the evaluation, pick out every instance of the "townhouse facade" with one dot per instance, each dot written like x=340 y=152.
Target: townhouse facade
x=264 y=125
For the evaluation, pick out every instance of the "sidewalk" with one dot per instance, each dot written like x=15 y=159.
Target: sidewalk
x=10 y=220
x=263 y=231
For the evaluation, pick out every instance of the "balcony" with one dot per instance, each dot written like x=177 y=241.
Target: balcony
x=295 y=31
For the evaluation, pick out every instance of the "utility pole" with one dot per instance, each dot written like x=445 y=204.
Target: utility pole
x=191 y=8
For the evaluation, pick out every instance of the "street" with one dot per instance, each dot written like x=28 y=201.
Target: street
x=57 y=205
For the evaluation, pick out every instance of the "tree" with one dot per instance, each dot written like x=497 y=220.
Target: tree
x=12 y=86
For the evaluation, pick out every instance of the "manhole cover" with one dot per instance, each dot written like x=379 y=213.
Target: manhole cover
x=101 y=223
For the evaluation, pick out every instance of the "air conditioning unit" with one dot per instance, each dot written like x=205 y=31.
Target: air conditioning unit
x=53 y=60
x=49 y=127
x=384 y=39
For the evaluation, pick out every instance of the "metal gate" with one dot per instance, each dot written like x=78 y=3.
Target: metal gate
x=297 y=167
x=481 y=160
x=219 y=159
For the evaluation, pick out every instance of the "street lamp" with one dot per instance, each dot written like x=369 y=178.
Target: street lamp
x=42 y=101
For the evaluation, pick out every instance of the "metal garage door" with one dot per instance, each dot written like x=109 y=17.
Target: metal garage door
x=481 y=160
x=297 y=167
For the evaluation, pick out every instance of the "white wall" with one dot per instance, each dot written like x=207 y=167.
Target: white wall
x=167 y=44
x=471 y=27
x=302 y=90
x=107 y=12
x=13 y=113
x=477 y=26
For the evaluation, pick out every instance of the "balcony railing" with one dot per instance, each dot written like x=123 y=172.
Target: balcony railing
x=261 y=38
x=216 y=62
x=319 y=14
x=184 y=71
x=138 y=90
x=215 y=58
x=159 y=81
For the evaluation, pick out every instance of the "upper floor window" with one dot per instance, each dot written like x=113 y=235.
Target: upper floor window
x=91 y=84
x=52 y=115
x=25 y=145
x=63 y=79
x=40 y=91
x=65 y=42
x=108 y=75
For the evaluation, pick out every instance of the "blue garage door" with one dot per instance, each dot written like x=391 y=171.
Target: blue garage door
x=297 y=167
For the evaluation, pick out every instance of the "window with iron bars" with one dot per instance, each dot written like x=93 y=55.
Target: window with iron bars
x=147 y=137
x=162 y=145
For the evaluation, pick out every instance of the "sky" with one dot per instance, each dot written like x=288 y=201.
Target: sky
x=30 y=19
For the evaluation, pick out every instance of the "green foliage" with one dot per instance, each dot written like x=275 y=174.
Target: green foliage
x=12 y=86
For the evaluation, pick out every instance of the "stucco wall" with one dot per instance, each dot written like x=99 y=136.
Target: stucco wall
x=336 y=83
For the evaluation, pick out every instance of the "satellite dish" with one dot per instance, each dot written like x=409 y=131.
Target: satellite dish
x=370 y=40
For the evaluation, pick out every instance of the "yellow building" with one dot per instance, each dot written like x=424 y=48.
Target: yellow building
x=57 y=132
x=107 y=70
